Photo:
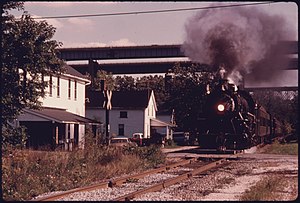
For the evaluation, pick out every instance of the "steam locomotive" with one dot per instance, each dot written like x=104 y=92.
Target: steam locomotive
x=233 y=120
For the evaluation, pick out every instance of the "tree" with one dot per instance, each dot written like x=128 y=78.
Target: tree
x=186 y=91
x=125 y=83
x=28 y=54
x=103 y=75
x=282 y=105
x=155 y=83
x=128 y=83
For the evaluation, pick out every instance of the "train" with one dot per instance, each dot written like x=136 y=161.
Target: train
x=233 y=120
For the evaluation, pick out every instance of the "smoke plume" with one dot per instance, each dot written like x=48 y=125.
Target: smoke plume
x=242 y=40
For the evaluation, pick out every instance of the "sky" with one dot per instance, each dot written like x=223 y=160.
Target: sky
x=137 y=29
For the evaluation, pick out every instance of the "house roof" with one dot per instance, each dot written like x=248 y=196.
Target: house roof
x=120 y=99
x=158 y=123
x=71 y=71
x=60 y=116
x=74 y=73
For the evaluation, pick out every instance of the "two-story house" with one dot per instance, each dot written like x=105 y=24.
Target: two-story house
x=61 y=122
x=131 y=112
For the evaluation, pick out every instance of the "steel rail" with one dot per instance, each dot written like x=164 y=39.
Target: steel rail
x=169 y=182
x=111 y=183
x=120 y=181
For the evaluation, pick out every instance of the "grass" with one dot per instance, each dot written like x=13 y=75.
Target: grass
x=269 y=188
x=263 y=190
x=28 y=173
x=284 y=149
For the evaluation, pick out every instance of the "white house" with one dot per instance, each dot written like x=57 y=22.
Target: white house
x=132 y=112
x=61 y=122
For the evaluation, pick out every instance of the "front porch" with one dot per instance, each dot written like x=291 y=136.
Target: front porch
x=52 y=129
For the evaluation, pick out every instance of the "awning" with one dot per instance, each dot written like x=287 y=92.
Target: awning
x=55 y=115
x=158 y=123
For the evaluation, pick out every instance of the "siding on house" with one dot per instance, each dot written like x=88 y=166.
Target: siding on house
x=139 y=105
x=72 y=104
x=64 y=100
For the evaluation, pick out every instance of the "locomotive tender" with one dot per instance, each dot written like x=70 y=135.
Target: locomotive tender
x=233 y=120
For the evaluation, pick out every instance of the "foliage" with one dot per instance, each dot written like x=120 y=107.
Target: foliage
x=283 y=105
x=187 y=89
x=13 y=137
x=277 y=148
x=124 y=83
x=155 y=83
x=128 y=83
x=107 y=77
x=151 y=154
x=26 y=173
x=28 y=54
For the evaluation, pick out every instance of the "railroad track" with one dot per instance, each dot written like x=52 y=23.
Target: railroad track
x=114 y=182
x=118 y=184
x=171 y=181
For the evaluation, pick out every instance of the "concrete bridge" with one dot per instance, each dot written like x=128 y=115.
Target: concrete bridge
x=138 y=52
x=143 y=52
x=158 y=52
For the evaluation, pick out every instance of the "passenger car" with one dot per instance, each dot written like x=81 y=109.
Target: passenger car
x=121 y=141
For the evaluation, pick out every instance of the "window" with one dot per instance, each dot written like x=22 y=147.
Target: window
x=75 y=90
x=69 y=89
x=123 y=114
x=58 y=86
x=50 y=86
x=121 y=129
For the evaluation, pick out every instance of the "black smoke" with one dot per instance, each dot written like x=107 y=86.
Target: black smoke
x=243 y=40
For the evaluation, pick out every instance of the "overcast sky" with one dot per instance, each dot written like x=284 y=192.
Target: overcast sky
x=139 y=29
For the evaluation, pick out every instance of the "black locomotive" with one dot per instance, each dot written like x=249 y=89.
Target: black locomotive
x=233 y=120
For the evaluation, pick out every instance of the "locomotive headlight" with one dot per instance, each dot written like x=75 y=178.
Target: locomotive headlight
x=221 y=107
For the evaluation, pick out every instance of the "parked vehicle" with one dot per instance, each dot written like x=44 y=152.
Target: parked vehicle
x=155 y=138
x=121 y=141
x=181 y=138
x=138 y=138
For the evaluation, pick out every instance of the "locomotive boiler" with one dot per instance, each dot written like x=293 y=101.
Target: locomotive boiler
x=233 y=120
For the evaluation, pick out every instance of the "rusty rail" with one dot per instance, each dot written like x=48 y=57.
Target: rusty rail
x=114 y=182
x=169 y=182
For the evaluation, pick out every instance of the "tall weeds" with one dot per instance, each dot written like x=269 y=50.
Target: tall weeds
x=27 y=173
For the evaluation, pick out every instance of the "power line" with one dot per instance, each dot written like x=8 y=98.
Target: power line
x=153 y=11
